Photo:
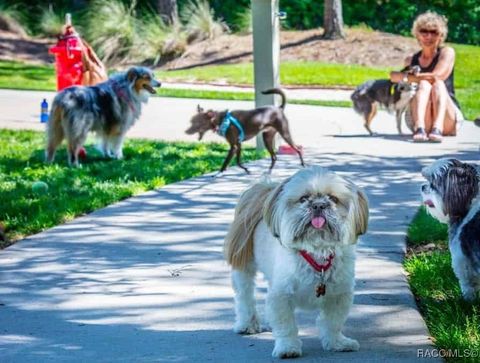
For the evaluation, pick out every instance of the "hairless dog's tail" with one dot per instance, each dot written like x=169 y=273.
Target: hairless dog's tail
x=277 y=91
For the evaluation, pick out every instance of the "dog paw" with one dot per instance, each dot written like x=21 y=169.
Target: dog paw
x=340 y=344
x=247 y=327
x=287 y=348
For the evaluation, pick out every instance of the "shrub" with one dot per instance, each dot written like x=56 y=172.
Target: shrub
x=51 y=22
x=11 y=19
x=111 y=29
x=244 y=21
x=200 y=22
x=156 y=39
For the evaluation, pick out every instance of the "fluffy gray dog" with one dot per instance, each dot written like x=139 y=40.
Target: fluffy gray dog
x=109 y=109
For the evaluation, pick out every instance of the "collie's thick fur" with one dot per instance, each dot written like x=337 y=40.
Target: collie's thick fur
x=109 y=109
x=315 y=212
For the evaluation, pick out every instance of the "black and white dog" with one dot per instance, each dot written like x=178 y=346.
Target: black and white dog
x=392 y=96
x=109 y=109
x=452 y=196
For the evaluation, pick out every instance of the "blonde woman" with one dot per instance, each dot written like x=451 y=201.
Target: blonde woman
x=434 y=111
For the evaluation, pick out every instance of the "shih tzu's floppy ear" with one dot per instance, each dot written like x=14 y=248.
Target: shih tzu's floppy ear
x=361 y=213
x=460 y=187
x=358 y=214
x=248 y=213
x=270 y=209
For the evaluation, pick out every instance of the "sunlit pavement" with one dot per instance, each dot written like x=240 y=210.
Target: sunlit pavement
x=144 y=280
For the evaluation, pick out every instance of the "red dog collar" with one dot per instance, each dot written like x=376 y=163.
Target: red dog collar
x=316 y=266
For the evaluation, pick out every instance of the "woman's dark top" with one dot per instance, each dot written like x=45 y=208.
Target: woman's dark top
x=428 y=69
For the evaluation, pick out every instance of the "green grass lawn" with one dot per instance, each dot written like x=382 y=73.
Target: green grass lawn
x=453 y=323
x=73 y=192
x=15 y=75
x=467 y=78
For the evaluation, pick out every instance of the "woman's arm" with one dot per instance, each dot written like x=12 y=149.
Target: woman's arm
x=442 y=69
x=397 y=77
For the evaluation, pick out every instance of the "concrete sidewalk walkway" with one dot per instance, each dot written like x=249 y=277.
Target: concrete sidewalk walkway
x=144 y=280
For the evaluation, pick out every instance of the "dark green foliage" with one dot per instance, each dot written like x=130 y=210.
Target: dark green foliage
x=396 y=16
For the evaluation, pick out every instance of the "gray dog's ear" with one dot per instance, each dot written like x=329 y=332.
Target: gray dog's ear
x=199 y=109
x=459 y=189
x=132 y=75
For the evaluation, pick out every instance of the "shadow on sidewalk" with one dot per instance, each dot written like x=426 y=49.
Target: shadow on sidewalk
x=145 y=280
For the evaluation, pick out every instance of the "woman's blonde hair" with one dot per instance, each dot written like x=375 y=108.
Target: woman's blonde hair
x=431 y=21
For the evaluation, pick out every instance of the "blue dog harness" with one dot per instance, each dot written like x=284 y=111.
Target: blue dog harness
x=226 y=122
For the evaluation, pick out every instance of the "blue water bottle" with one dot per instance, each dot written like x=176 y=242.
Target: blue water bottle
x=44 y=112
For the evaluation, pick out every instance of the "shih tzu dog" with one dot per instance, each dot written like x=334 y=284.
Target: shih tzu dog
x=451 y=196
x=301 y=235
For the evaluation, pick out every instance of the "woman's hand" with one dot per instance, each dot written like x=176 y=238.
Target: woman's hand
x=397 y=77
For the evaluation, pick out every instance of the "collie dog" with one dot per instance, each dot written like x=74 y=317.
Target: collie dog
x=109 y=109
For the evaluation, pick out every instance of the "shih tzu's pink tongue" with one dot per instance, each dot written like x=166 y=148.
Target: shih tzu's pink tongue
x=318 y=222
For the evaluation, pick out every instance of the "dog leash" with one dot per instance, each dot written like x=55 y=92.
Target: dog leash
x=226 y=122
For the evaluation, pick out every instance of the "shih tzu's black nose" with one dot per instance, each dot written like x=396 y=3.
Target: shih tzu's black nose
x=318 y=206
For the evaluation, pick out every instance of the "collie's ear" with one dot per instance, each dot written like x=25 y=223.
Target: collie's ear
x=271 y=209
x=460 y=187
x=132 y=75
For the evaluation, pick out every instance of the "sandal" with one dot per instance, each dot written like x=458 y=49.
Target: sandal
x=420 y=135
x=435 y=135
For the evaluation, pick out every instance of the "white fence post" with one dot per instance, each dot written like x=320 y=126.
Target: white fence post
x=266 y=52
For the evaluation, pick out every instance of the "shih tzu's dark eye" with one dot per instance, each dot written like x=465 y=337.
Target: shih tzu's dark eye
x=333 y=198
x=303 y=199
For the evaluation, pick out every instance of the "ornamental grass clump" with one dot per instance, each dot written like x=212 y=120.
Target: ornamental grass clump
x=111 y=28
x=200 y=22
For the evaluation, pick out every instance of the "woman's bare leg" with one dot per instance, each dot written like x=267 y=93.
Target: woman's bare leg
x=420 y=105
x=443 y=109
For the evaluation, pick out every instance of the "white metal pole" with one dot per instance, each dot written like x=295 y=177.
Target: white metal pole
x=266 y=52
